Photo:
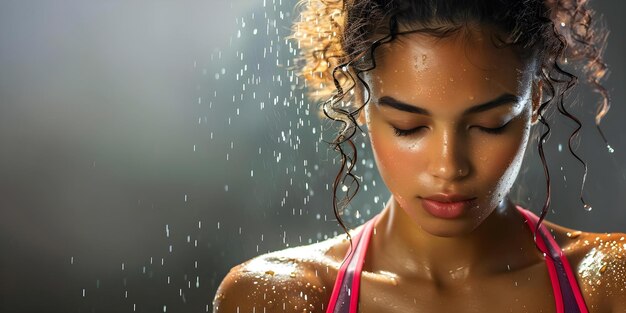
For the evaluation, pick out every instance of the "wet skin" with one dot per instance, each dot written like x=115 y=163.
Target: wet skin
x=446 y=116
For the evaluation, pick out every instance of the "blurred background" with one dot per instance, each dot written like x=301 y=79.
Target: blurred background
x=146 y=147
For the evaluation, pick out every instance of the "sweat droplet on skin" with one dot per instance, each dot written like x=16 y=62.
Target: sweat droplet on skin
x=574 y=234
x=421 y=63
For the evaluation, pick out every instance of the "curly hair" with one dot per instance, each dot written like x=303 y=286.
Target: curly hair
x=337 y=40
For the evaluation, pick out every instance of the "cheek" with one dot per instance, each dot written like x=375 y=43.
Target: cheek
x=499 y=162
x=399 y=161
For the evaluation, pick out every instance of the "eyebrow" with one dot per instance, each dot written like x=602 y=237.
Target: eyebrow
x=399 y=105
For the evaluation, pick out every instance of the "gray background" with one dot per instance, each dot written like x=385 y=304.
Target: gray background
x=148 y=146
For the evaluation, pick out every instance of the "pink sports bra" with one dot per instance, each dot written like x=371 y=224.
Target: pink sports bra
x=567 y=295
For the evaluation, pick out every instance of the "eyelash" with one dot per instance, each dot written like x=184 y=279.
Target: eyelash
x=493 y=131
x=405 y=132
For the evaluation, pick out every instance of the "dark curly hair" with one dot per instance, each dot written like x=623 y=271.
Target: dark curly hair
x=337 y=40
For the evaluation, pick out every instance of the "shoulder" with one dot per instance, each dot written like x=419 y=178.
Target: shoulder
x=601 y=269
x=599 y=262
x=292 y=280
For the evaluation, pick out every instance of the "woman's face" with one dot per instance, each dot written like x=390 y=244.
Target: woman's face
x=448 y=121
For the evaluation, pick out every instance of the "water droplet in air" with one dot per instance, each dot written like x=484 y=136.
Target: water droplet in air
x=611 y=150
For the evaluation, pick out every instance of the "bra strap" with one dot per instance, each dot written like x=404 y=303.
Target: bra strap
x=345 y=295
x=567 y=294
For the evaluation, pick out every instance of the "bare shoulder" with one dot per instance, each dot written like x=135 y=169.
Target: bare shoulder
x=599 y=261
x=297 y=279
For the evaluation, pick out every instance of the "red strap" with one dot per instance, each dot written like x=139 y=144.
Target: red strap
x=570 y=274
x=342 y=272
x=556 y=287
x=361 y=249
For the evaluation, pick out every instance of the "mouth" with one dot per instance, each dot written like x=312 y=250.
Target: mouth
x=447 y=206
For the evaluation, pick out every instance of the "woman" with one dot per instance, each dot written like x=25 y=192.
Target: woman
x=448 y=92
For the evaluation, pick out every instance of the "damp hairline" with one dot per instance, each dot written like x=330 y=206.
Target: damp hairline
x=439 y=30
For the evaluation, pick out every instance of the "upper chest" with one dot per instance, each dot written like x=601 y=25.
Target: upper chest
x=529 y=290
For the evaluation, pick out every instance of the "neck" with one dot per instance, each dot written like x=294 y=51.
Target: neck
x=502 y=242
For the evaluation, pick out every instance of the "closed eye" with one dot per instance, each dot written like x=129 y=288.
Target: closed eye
x=406 y=132
x=494 y=131
x=489 y=130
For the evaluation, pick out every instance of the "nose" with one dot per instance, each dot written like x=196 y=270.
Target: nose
x=449 y=159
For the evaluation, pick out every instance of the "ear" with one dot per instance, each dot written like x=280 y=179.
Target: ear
x=537 y=95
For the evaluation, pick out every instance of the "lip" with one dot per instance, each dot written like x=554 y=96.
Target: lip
x=447 y=206
x=443 y=197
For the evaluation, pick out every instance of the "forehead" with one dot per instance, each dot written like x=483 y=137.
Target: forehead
x=463 y=68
